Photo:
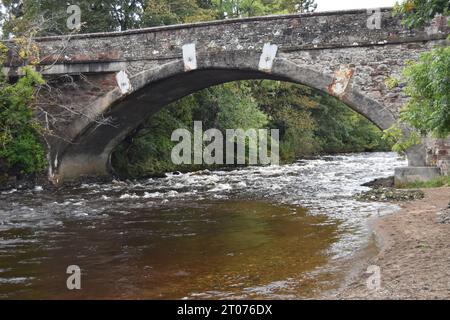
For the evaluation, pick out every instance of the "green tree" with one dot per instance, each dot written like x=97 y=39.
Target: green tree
x=167 y=12
x=417 y=13
x=314 y=122
x=289 y=107
x=115 y=15
x=249 y=8
x=427 y=80
x=148 y=151
x=300 y=6
x=21 y=150
x=51 y=16
x=428 y=86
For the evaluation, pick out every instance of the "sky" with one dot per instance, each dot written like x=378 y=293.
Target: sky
x=330 y=5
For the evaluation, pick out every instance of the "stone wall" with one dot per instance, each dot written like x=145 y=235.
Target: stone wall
x=438 y=154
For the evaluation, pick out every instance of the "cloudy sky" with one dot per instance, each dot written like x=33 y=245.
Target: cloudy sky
x=327 y=5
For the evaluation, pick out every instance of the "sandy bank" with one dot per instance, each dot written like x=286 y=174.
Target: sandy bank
x=414 y=254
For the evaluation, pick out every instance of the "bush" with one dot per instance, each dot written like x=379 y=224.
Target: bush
x=428 y=109
x=21 y=150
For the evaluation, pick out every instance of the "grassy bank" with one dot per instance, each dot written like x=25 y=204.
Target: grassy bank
x=434 y=183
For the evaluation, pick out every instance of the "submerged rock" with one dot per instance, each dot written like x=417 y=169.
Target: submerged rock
x=380 y=183
x=390 y=194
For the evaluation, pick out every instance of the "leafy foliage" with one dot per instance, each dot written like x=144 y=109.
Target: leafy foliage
x=340 y=129
x=112 y=15
x=401 y=142
x=167 y=12
x=223 y=107
x=428 y=85
x=51 y=15
x=417 y=13
x=428 y=81
x=21 y=151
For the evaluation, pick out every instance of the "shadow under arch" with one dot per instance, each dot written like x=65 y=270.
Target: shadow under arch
x=152 y=89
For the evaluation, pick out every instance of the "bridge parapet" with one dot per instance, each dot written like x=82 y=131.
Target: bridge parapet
x=309 y=31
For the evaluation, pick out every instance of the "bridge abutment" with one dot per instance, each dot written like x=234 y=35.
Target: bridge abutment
x=82 y=166
x=426 y=161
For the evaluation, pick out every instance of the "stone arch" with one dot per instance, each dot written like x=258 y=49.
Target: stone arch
x=88 y=152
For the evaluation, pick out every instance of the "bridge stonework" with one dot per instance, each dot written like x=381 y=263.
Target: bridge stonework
x=109 y=83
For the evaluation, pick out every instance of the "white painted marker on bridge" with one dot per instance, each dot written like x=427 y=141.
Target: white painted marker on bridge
x=189 y=57
x=267 y=57
x=123 y=82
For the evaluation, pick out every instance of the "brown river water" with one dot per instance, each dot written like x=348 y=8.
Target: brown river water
x=257 y=232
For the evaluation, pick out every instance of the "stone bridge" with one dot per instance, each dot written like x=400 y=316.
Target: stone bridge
x=105 y=85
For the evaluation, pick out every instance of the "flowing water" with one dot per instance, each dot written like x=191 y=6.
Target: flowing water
x=257 y=232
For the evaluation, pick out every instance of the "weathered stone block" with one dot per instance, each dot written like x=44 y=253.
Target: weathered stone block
x=407 y=175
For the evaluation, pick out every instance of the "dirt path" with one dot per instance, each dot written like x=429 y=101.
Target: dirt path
x=414 y=260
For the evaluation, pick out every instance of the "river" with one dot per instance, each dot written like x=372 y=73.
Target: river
x=255 y=232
